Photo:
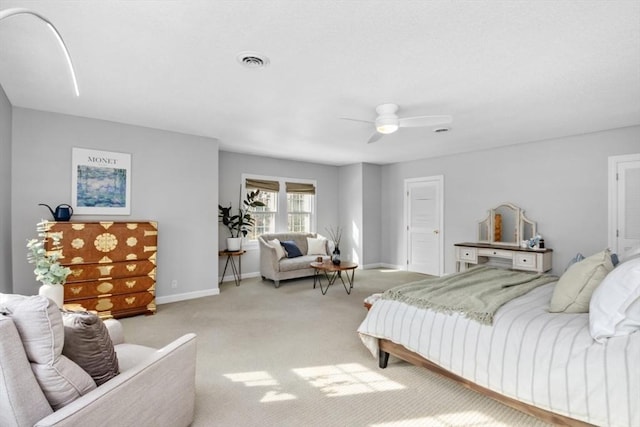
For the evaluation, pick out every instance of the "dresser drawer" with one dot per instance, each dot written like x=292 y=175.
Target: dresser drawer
x=105 y=241
x=108 y=287
x=83 y=272
x=468 y=254
x=120 y=305
x=496 y=253
x=525 y=261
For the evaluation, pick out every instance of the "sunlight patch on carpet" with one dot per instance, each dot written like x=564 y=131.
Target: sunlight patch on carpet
x=346 y=379
x=262 y=379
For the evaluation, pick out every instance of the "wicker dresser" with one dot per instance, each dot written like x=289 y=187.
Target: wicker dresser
x=113 y=265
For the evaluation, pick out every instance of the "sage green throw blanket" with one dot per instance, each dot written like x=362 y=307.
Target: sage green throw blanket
x=476 y=293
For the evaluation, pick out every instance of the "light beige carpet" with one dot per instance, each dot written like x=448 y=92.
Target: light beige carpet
x=291 y=357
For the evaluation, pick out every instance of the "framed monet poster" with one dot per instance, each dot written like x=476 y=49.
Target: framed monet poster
x=101 y=182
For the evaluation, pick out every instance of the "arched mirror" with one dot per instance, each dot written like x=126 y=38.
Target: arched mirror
x=506 y=225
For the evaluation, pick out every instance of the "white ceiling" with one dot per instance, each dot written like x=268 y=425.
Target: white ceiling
x=508 y=72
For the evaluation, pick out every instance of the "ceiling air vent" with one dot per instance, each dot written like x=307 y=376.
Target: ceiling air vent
x=252 y=59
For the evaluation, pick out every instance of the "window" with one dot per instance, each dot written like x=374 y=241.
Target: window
x=289 y=205
x=265 y=216
x=300 y=198
x=299 y=212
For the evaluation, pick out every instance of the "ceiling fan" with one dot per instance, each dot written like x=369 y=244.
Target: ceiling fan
x=388 y=122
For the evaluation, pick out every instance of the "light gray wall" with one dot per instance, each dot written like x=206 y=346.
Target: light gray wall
x=174 y=181
x=560 y=183
x=5 y=194
x=350 y=213
x=371 y=217
x=233 y=165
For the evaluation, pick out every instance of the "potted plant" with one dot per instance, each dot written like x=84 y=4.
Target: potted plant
x=240 y=224
x=48 y=270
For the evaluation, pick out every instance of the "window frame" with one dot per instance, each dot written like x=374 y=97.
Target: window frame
x=281 y=217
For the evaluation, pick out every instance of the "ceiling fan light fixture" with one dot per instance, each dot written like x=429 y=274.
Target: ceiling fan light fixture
x=387 y=125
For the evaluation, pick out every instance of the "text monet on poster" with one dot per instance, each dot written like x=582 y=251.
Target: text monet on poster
x=101 y=182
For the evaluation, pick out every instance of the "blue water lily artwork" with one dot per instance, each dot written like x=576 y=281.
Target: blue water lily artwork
x=101 y=187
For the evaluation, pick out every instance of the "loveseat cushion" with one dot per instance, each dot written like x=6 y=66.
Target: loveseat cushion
x=87 y=343
x=298 y=263
x=275 y=244
x=39 y=324
x=293 y=251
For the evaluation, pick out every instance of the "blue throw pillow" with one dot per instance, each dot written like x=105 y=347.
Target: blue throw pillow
x=291 y=248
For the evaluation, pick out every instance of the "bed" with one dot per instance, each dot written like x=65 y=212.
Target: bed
x=546 y=364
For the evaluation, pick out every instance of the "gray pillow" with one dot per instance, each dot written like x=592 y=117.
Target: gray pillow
x=87 y=343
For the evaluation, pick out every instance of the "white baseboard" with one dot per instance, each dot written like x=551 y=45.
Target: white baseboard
x=372 y=266
x=230 y=278
x=394 y=267
x=187 y=296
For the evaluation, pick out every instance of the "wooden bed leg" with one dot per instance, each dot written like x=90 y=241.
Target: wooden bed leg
x=383 y=359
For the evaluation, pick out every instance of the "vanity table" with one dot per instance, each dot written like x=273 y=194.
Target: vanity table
x=519 y=258
x=501 y=240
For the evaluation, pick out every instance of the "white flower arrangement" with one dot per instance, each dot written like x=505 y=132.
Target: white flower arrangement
x=47 y=268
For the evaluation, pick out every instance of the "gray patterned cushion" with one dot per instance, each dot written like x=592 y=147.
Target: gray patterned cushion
x=87 y=343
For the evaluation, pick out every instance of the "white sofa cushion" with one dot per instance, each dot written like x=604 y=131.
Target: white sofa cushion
x=275 y=244
x=17 y=385
x=39 y=324
x=316 y=246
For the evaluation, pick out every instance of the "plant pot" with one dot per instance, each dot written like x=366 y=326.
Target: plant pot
x=234 y=244
x=53 y=292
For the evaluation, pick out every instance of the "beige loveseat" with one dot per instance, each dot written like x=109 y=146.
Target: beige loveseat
x=275 y=268
x=154 y=387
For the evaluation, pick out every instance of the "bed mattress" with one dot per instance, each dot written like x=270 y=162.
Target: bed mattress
x=548 y=360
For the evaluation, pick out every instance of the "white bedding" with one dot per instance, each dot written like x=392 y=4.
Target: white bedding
x=548 y=360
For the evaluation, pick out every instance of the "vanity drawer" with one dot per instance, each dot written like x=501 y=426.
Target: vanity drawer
x=525 y=261
x=497 y=253
x=468 y=254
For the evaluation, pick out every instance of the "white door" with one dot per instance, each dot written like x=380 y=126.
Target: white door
x=423 y=207
x=624 y=204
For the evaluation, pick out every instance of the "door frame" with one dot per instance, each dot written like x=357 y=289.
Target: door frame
x=439 y=180
x=614 y=202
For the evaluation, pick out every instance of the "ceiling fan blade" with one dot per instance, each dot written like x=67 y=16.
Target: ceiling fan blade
x=373 y=138
x=409 y=122
x=357 y=120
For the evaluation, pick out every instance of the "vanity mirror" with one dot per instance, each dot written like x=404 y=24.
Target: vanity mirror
x=507 y=225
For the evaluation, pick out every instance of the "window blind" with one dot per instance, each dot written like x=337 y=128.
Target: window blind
x=300 y=188
x=263 y=185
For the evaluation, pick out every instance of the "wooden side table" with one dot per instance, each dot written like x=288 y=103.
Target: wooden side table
x=333 y=272
x=237 y=270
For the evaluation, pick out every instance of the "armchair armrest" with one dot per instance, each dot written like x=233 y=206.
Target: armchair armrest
x=116 y=333
x=269 y=266
x=159 y=391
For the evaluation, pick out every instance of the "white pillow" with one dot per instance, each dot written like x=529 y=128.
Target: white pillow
x=576 y=285
x=615 y=305
x=280 y=253
x=316 y=246
x=39 y=324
